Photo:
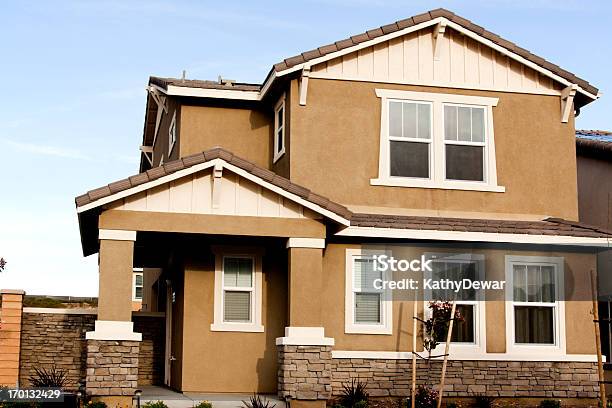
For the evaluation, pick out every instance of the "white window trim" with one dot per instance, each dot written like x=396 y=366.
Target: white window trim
x=137 y=271
x=278 y=153
x=559 y=316
x=437 y=153
x=459 y=350
x=350 y=326
x=255 y=325
x=172 y=134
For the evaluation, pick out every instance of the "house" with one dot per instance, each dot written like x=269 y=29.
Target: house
x=257 y=207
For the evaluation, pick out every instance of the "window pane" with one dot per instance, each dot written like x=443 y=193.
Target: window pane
x=548 y=283
x=410 y=119
x=465 y=124
x=463 y=330
x=238 y=272
x=533 y=325
x=534 y=284
x=280 y=116
x=477 y=125
x=138 y=293
x=365 y=274
x=139 y=280
x=424 y=121
x=237 y=307
x=395 y=119
x=519 y=280
x=410 y=159
x=367 y=308
x=450 y=122
x=279 y=140
x=464 y=162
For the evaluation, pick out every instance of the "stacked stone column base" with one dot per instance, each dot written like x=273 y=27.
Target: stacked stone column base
x=112 y=367
x=304 y=372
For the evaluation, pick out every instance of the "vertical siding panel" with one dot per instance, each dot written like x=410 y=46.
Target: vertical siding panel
x=396 y=59
x=268 y=204
x=457 y=58
x=381 y=61
x=247 y=197
x=501 y=71
x=425 y=56
x=334 y=67
x=530 y=80
x=545 y=82
x=411 y=57
x=201 y=198
x=136 y=202
x=290 y=209
x=365 y=63
x=349 y=65
x=472 y=75
x=322 y=67
x=180 y=195
x=227 y=202
x=158 y=198
x=485 y=67
x=514 y=74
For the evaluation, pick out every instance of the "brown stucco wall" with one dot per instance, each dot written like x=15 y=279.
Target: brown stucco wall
x=246 y=132
x=335 y=150
x=578 y=320
x=115 y=289
x=595 y=191
x=248 y=359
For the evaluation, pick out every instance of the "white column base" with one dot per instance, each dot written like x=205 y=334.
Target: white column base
x=304 y=336
x=113 y=330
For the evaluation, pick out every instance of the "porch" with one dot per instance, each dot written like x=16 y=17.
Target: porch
x=175 y=399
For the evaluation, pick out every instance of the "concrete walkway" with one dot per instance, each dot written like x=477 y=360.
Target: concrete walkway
x=188 y=400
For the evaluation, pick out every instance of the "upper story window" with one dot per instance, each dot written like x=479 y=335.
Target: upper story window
x=137 y=286
x=433 y=140
x=279 y=128
x=172 y=134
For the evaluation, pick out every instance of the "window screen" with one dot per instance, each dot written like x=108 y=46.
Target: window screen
x=464 y=138
x=238 y=289
x=409 y=138
x=367 y=298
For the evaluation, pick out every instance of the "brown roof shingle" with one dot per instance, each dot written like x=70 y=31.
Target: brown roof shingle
x=196 y=83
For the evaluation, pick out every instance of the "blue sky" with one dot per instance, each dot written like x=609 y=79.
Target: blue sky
x=74 y=74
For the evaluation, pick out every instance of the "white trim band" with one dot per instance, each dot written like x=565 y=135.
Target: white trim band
x=472 y=236
x=405 y=355
x=304 y=336
x=117 y=235
x=306 y=243
x=113 y=330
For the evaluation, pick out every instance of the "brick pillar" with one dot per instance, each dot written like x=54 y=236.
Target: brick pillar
x=113 y=347
x=304 y=354
x=10 y=336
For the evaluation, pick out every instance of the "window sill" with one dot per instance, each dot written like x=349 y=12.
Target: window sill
x=237 y=327
x=278 y=156
x=368 y=329
x=448 y=185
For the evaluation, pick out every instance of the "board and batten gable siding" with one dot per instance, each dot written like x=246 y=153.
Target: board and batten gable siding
x=462 y=62
x=193 y=194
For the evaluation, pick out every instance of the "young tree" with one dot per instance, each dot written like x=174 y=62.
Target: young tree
x=2 y=264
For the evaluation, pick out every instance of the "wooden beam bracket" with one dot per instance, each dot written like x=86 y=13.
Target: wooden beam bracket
x=567 y=101
x=438 y=34
x=304 y=85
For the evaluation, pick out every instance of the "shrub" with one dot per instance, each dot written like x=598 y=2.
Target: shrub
x=96 y=404
x=354 y=393
x=426 y=397
x=158 y=404
x=483 y=401
x=52 y=377
x=550 y=403
x=361 y=404
x=204 y=404
x=256 y=401
x=42 y=301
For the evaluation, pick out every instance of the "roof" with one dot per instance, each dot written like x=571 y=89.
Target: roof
x=549 y=226
x=206 y=156
x=304 y=57
x=594 y=143
x=203 y=84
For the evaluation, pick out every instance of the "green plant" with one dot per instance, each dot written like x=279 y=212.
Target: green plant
x=354 y=393
x=257 y=401
x=550 y=403
x=203 y=404
x=361 y=404
x=52 y=377
x=42 y=301
x=158 y=404
x=484 y=401
x=426 y=397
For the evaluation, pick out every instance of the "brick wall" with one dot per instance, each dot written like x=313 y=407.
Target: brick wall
x=469 y=378
x=112 y=367
x=59 y=339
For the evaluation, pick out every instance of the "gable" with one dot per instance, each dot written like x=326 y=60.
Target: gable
x=458 y=62
x=195 y=194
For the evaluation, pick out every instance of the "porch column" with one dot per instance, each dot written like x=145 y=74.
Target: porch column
x=304 y=353
x=10 y=336
x=113 y=347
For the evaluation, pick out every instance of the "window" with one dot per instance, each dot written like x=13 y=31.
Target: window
x=279 y=128
x=238 y=293
x=432 y=140
x=367 y=309
x=536 y=285
x=137 y=286
x=172 y=134
x=470 y=330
